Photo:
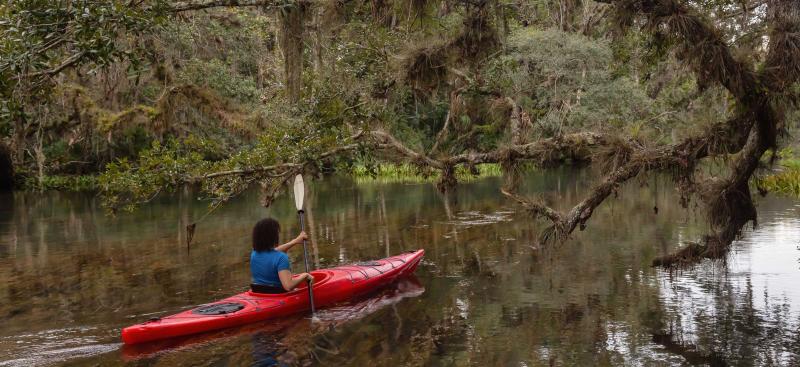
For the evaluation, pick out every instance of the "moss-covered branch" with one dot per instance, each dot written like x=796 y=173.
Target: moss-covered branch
x=180 y=6
x=729 y=200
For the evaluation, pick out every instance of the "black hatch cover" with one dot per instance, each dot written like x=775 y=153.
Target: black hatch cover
x=218 y=308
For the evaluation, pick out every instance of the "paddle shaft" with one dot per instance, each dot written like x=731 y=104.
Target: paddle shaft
x=302 y=213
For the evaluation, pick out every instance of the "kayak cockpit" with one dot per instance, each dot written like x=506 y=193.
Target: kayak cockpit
x=320 y=277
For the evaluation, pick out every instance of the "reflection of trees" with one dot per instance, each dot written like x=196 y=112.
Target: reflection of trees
x=728 y=323
x=540 y=305
x=593 y=300
x=73 y=265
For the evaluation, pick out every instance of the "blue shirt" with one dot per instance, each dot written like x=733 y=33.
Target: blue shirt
x=265 y=265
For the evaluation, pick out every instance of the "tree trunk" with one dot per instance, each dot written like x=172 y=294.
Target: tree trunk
x=6 y=169
x=318 y=41
x=520 y=123
x=291 y=41
x=18 y=142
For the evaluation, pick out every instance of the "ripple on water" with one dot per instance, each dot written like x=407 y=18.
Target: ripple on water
x=51 y=346
x=477 y=218
x=491 y=299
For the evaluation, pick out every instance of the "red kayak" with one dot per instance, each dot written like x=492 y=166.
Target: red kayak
x=352 y=309
x=331 y=286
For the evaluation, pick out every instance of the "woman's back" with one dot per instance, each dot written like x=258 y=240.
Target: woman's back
x=269 y=264
x=265 y=265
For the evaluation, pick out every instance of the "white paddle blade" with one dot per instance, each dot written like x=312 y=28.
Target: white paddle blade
x=299 y=191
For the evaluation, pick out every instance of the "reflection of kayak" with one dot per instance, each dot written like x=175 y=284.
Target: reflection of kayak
x=331 y=286
x=353 y=309
x=361 y=307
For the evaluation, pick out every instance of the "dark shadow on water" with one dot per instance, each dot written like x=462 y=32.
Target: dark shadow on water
x=266 y=349
x=689 y=352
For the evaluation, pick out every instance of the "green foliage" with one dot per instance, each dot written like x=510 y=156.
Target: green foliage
x=565 y=81
x=217 y=76
x=408 y=173
x=787 y=178
x=170 y=100
x=164 y=167
x=786 y=181
x=62 y=183
x=224 y=51
x=39 y=37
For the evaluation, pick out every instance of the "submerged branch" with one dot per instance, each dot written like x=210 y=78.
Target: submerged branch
x=384 y=140
x=536 y=207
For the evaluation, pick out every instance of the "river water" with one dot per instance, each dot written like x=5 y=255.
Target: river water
x=487 y=293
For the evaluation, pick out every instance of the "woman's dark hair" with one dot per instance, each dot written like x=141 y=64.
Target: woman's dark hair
x=265 y=234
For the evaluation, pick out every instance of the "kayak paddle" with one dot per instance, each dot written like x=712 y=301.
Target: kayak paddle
x=299 y=191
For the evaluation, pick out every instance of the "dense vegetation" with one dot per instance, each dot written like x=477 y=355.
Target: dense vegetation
x=154 y=95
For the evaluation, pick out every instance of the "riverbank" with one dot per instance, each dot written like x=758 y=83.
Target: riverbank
x=785 y=180
x=406 y=173
x=384 y=173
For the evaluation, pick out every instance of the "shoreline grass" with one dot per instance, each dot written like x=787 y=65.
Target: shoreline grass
x=407 y=173
x=786 y=181
x=383 y=173
x=68 y=183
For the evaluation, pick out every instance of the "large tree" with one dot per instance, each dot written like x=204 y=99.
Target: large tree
x=477 y=91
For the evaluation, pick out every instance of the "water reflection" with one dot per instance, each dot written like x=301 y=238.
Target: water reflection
x=749 y=309
x=492 y=294
x=265 y=351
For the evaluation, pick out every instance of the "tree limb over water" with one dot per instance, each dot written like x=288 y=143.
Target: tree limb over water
x=748 y=135
x=462 y=101
x=759 y=95
x=729 y=200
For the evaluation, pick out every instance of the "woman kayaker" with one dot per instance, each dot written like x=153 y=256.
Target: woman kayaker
x=269 y=264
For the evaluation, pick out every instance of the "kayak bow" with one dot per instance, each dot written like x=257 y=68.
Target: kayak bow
x=330 y=287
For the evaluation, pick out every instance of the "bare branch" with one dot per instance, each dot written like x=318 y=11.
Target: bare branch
x=385 y=140
x=249 y=171
x=577 y=146
x=206 y=4
x=724 y=138
x=70 y=61
x=279 y=168
x=453 y=108
x=442 y=133
x=583 y=211
x=537 y=207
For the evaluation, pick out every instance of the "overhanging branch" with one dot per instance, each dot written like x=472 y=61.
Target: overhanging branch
x=206 y=4
x=279 y=169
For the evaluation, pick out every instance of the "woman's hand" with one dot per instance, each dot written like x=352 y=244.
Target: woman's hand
x=288 y=245
x=290 y=282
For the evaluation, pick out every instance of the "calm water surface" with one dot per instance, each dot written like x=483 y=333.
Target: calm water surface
x=487 y=294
